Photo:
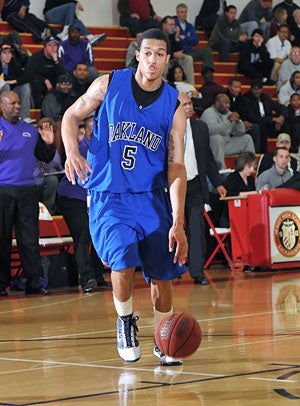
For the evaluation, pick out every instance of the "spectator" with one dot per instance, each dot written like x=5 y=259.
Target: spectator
x=208 y=15
x=138 y=16
x=227 y=131
x=234 y=93
x=74 y=50
x=289 y=66
x=227 y=35
x=18 y=193
x=254 y=59
x=21 y=53
x=293 y=119
x=177 y=52
x=256 y=14
x=131 y=61
x=257 y=107
x=63 y=12
x=241 y=182
x=188 y=38
x=278 y=174
x=295 y=28
x=46 y=182
x=290 y=7
x=266 y=160
x=80 y=79
x=44 y=67
x=200 y=163
x=280 y=17
x=16 y=13
x=73 y=206
x=89 y=125
x=279 y=48
x=56 y=102
x=16 y=79
x=290 y=87
x=210 y=88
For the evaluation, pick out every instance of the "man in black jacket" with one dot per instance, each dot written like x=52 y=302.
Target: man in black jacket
x=199 y=163
x=257 y=107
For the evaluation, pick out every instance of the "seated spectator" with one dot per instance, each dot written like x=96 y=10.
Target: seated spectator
x=74 y=50
x=289 y=66
x=210 y=88
x=73 y=206
x=241 y=182
x=227 y=35
x=279 y=48
x=188 y=38
x=254 y=59
x=208 y=15
x=16 y=13
x=15 y=78
x=290 y=7
x=256 y=14
x=56 y=102
x=80 y=79
x=278 y=174
x=21 y=53
x=290 y=87
x=47 y=183
x=257 y=107
x=293 y=119
x=266 y=160
x=178 y=56
x=234 y=93
x=176 y=77
x=295 y=28
x=279 y=18
x=138 y=16
x=45 y=68
x=63 y=12
x=131 y=61
x=226 y=129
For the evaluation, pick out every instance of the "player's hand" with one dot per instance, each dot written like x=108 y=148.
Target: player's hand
x=76 y=164
x=177 y=237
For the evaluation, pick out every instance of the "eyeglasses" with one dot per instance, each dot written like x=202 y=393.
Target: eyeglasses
x=295 y=53
x=284 y=31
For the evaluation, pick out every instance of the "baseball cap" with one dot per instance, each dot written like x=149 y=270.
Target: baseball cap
x=64 y=79
x=256 y=84
x=5 y=46
x=283 y=137
x=50 y=39
x=74 y=26
x=258 y=31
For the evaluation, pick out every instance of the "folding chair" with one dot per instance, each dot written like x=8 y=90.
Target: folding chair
x=220 y=234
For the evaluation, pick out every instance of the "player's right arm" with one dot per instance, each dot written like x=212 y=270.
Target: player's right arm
x=83 y=107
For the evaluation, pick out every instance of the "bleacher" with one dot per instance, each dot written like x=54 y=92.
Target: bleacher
x=111 y=54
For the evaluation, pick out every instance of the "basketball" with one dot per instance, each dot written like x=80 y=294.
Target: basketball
x=178 y=335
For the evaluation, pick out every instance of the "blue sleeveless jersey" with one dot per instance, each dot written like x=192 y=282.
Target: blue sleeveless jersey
x=129 y=147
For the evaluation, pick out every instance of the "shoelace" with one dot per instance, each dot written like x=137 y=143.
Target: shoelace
x=130 y=329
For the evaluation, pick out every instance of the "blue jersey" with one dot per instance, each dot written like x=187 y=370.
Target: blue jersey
x=129 y=147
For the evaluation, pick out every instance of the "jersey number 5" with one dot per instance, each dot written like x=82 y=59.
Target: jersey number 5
x=129 y=158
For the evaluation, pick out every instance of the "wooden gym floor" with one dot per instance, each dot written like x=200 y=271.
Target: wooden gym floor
x=61 y=349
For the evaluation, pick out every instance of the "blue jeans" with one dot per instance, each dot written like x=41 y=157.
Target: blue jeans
x=65 y=15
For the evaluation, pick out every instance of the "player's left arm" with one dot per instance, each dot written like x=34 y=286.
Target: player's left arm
x=177 y=186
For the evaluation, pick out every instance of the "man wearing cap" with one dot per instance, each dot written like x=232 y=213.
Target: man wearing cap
x=254 y=59
x=15 y=78
x=227 y=35
x=258 y=107
x=74 y=50
x=266 y=160
x=56 y=102
x=16 y=13
x=44 y=68
x=63 y=12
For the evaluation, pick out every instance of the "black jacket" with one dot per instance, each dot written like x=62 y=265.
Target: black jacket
x=253 y=61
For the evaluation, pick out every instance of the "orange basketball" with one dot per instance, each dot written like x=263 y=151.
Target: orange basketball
x=178 y=335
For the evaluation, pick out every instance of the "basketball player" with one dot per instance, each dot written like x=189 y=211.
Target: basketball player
x=136 y=152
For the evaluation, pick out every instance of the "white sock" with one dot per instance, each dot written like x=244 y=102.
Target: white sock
x=123 y=308
x=158 y=316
